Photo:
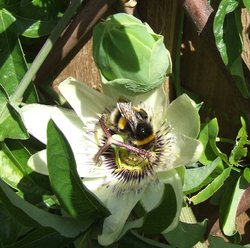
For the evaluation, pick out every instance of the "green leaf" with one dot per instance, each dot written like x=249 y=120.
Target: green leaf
x=195 y=177
x=10 y=173
x=9 y=228
x=9 y=4
x=246 y=174
x=11 y=125
x=217 y=242
x=42 y=9
x=12 y=63
x=32 y=186
x=73 y=196
x=240 y=150
x=162 y=216
x=190 y=233
x=30 y=215
x=227 y=31
x=134 y=240
x=247 y=5
x=208 y=136
x=33 y=28
x=40 y=238
x=229 y=205
x=85 y=241
x=37 y=18
x=211 y=188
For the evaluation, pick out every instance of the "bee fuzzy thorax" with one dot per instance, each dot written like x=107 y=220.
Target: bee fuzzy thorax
x=134 y=123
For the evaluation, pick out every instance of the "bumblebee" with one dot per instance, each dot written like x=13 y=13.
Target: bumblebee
x=133 y=122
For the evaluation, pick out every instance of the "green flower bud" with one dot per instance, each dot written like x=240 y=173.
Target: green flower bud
x=129 y=54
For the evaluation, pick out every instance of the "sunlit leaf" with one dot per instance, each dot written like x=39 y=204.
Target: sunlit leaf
x=11 y=125
x=246 y=174
x=229 y=205
x=195 y=177
x=74 y=197
x=240 y=150
x=207 y=136
x=247 y=5
x=12 y=63
x=211 y=188
x=10 y=173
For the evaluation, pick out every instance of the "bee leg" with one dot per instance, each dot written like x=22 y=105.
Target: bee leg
x=132 y=148
x=107 y=143
x=105 y=129
x=104 y=148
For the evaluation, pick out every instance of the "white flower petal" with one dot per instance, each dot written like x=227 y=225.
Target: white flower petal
x=93 y=184
x=152 y=196
x=185 y=150
x=37 y=116
x=183 y=116
x=86 y=102
x=84 y=149
x=38 y=162
x=156 y=101
x=82 y=141
x=120 y=208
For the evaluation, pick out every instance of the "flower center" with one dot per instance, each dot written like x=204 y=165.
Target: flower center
x=131 y=163
x=131 y=148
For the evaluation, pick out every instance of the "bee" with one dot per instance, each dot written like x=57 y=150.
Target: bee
x=133 y=121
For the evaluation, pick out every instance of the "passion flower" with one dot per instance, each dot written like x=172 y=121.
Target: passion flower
x=119 y=171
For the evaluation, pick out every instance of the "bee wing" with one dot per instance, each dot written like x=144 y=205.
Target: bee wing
x=127 y=111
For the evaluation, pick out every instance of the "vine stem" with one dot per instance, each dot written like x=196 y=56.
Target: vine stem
x=188 y=216
x=45 y=50
x=225 y=140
